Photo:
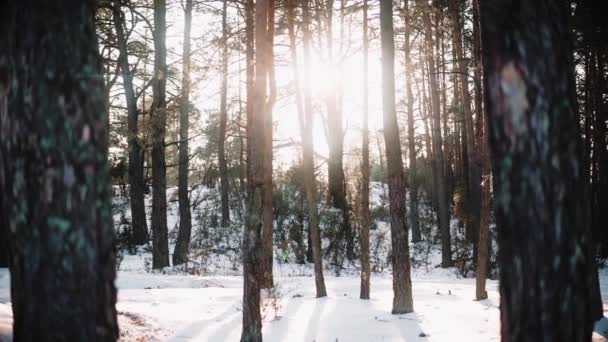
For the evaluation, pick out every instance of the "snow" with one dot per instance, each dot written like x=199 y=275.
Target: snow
x=175 y=306
x=160 y=307
x=182 y=307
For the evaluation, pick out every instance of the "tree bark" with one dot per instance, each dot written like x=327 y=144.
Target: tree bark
x=55 y=193
x=402 y=283
x=182 y=245
x=136 y=172
x=443 y=214
x=267 y=235
x=414 y=222
x=483 y=254
x=160 y=242
x=253 y=253
x=365 y=168
x=221 y=153
x=543 y=231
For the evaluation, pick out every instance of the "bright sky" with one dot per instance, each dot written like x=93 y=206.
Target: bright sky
x=206 y=89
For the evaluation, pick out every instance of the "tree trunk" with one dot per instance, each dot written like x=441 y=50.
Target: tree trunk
x=160 y=243
x=483 y=243
x=543 y=231
x=414 y=222
x=306 y=125
x=365 y=168
x=402 y=283
x=473 y=179
x=253 y=253
x=221 y=153
x=267 y=238
x=55 y=193
x=136 y=172
x=443 y=214
x=335 y=164
x=182 y=245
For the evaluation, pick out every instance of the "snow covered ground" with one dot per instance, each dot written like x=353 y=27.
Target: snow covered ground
x=155 y=307
x=179 y=307
x=175 y=306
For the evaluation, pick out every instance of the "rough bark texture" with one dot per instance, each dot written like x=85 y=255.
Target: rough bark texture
x=160 y=242
x=55 y=192
x=443 y=213
x=253 y=254
x=136 y=171
x=365 y=168
x=402 y=283
x=414 y=221
x=543 y=231
x=182 y=245
x=306 y=124
x=221 y=153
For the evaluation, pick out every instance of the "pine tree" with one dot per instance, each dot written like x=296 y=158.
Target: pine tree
x=221 y=153
x=402 y=283
x=443 y=213
x=182 y=245
x=136 y=171
x=365 y=168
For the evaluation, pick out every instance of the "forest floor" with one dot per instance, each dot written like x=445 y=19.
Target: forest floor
x=165 y=307
x=180 y=307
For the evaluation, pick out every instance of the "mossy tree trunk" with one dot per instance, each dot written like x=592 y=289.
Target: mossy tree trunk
x=55 y=192
x=543 y=228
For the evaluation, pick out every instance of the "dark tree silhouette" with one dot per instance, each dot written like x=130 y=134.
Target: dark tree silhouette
x=160 y=243
x=543 y=231
x=55 y=192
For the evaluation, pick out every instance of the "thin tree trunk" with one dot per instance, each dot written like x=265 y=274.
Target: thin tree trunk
x=365 y=168
x=267 y=238
x=483 y=259
x=306 y=124
x=543 y=231
x=221 y=153
x=402 y=283
x=414 y=222
x=160 y=242
x=136 y=173
x=253 y=252
x=473 y=179
x=182 y=245
x=335 y=164
x=443 y=214
x=55 y=186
